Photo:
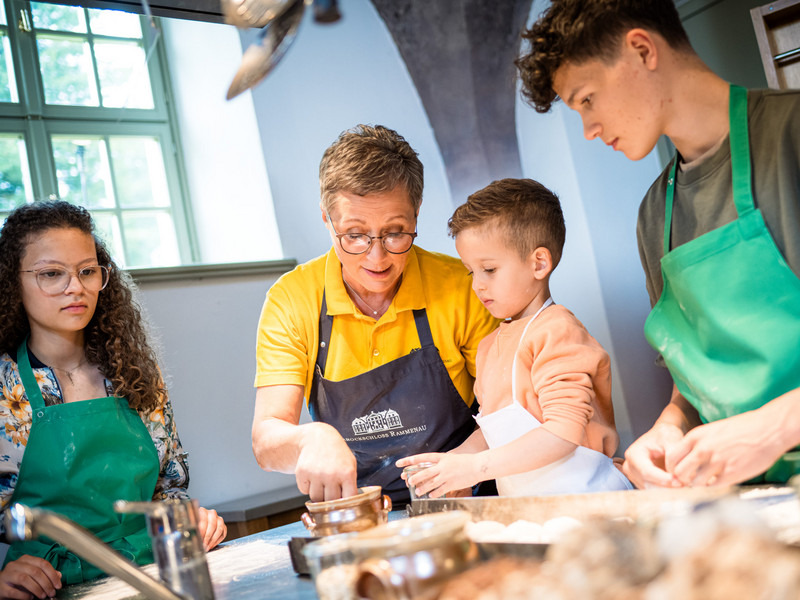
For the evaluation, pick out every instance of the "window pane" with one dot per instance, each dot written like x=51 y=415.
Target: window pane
x=124 y=78
x=107 y=225
x=150 y=239
x=67 y=71
x=8 y=82
x=115 y=22
x=15 y=179
x=3 y=20
x=82 y=171
x=57 y=17
x=139 y=172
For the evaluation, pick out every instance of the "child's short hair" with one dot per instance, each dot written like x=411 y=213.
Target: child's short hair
x=524 y=210
x=574 y=31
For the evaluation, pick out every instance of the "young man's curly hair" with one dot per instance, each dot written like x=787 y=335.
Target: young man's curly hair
x=574 y=31
x=115 y=338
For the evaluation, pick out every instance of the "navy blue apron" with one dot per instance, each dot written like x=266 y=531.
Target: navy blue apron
x=404 y=407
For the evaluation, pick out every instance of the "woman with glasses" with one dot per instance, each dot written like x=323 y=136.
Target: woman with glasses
x=85 y=415
x=378 y=335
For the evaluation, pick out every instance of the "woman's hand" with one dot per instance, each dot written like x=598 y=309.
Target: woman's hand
x=728 y=451
x=645 y=460
x=316 y=453
x=29 y=577
x=210 y=527
x=326 y=468
x=449 y=473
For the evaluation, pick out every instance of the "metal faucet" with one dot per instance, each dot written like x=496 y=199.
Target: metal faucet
x=179 y=553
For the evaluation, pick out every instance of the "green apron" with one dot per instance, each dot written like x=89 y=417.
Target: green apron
x=728 y=320
x=80 y=458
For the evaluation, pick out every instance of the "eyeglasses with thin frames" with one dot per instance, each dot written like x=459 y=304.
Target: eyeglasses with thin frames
x=55 y=280
x=359 y=243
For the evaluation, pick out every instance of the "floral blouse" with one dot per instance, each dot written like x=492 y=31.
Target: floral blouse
x=15 y=420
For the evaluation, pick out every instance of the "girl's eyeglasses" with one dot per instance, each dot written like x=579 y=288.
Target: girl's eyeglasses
x=54 y=280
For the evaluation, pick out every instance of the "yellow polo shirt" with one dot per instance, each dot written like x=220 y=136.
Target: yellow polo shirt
x=288 y=330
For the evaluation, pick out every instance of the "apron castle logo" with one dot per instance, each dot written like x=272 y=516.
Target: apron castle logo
x=376 y=421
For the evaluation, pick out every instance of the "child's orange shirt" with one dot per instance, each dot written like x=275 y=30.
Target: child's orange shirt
x=563 y=377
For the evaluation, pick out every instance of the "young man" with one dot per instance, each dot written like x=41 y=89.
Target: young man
x=719 y=232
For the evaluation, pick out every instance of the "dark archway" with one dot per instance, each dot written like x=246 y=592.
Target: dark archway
x=460 y=55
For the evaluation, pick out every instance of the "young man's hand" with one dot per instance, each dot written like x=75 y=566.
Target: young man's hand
x=645 y=459
x=728 y=451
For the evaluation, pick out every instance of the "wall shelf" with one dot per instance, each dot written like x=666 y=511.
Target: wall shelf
x=777 y=28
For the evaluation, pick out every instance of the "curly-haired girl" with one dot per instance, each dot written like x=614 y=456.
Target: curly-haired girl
x=84 y=412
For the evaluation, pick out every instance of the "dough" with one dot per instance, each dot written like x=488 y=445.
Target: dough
x=555 y=528
x=521 y=531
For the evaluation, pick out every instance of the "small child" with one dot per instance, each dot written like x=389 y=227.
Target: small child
x=543 y=383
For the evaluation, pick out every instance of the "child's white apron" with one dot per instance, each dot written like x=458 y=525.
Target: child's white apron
x=583 y=470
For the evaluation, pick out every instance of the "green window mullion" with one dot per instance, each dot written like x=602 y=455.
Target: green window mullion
x=95 y=68
x=117 y=211
x=126 y=252
x=181 y=215
x=26 y=60
x=40 y=156
x=123 y=240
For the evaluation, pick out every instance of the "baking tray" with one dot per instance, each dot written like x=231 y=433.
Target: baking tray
x=299 y=563
x=777 y=506
x=636 y=504
x=490 y=550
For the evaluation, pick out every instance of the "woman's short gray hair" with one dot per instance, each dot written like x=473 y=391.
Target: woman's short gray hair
x=369 y=159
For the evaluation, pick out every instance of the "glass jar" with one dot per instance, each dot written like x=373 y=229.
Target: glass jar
x=332 y=566
x=408 y=472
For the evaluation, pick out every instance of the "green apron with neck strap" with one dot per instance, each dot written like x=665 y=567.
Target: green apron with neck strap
x=79 y=459
x=728 y=320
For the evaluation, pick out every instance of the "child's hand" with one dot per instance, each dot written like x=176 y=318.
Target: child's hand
x=416 y=459
x=450 y=472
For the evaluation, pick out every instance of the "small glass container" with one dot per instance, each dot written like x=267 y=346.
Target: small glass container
x=409 y=471
x=366 y=509
x=332 y=566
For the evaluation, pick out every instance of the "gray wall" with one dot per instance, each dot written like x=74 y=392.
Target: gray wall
x=332 y=78
x=206 y=331
x=722 y=33
x=336 y=76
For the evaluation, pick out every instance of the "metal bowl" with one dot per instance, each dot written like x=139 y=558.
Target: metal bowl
x=362 y=511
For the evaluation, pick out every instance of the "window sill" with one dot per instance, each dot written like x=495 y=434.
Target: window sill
x=215 y=271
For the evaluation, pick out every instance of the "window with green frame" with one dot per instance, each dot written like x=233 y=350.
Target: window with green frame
x=85 y=116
